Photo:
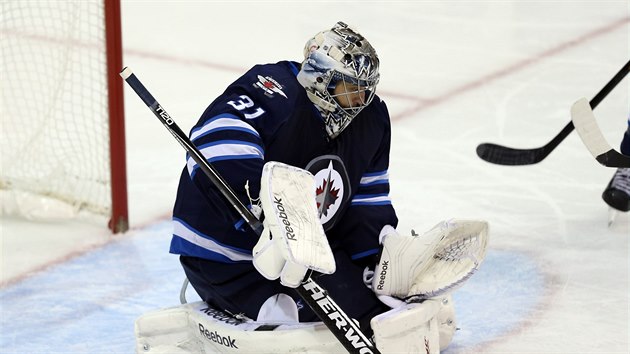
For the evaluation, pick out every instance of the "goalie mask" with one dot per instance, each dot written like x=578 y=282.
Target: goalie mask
x=340 y=74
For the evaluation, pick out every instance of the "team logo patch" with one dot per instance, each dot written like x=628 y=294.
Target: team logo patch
x=331 y=187
x=270 y=86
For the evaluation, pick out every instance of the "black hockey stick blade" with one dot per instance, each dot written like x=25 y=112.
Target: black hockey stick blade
x=503 y=155
x=592 y=137
x=613 y=158
x=336 y=320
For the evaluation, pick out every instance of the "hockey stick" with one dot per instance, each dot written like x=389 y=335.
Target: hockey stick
x=338 y=322
x=586 y=126
x=503 y=155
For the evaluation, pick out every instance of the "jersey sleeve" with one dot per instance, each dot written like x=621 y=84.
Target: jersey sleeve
x=234 y=148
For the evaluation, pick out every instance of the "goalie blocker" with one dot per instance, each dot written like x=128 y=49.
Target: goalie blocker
x=293 y=239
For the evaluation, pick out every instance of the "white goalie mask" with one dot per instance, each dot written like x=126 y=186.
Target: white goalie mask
x=339 y=56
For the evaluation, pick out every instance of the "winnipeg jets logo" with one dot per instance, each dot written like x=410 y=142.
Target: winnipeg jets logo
x=270 y=86
x=326 y=195
x=329 y=192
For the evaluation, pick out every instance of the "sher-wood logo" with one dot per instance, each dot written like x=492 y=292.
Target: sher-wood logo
x=356 y=339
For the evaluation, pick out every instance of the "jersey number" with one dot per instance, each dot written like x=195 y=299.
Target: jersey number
x=245 y=104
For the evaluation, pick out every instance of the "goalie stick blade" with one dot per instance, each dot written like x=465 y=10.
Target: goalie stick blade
x=584 y=120
x=502 y=155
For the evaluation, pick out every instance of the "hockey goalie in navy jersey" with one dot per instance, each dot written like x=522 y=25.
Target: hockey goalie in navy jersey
x=322 y=116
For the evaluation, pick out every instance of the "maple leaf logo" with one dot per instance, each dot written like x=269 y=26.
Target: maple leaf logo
x=326 y=195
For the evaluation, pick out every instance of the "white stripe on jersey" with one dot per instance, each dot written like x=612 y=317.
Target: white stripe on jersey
x=220 y=123
x=226 y=149
x=371 y=199
x=382 y=177
x=181 y=230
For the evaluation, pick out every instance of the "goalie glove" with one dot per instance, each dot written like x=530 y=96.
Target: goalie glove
x=419 y=267
x=293 y=240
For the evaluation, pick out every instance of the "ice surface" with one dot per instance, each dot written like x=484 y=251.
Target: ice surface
x=454 y=74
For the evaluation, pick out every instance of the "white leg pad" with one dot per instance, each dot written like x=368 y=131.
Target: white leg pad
x=197 y=328
x=166 y=331
x=411 y=328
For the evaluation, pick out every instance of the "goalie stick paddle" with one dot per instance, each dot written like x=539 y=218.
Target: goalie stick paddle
x=338 y=322
x=588 y=130
x=503 y=155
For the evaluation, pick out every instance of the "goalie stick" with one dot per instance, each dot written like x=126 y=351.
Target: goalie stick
x=588 y=130
x=338 y=322
x=503 y=155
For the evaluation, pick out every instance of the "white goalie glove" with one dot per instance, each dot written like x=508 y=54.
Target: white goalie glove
x=293 y=240
x=430 y=265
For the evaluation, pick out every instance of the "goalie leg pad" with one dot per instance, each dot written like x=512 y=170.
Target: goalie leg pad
x=166 y=331
x=197 y=328
x=412 y=328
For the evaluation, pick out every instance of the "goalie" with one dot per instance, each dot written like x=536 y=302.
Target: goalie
x=330 y=137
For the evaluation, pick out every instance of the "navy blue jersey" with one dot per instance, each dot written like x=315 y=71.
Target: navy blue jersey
x=266 y=115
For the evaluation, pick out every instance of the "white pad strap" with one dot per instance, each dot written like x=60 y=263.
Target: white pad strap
x=293 y=240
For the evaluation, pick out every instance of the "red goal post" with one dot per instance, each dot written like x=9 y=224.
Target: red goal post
x=62 y=110
x=119 y=221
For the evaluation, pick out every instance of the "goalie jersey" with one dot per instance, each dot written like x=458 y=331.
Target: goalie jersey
x=266 y=115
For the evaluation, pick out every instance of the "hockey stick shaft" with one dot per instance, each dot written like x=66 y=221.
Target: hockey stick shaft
x=337 y=321
x=503 y=155
x=594 y=102
x=182 y=138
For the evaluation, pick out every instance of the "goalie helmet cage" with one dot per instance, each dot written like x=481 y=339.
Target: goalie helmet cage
x=61 y=107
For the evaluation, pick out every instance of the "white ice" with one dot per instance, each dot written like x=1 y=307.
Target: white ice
x=454 y=74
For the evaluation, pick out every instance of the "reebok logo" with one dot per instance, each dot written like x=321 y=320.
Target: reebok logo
x=382 y=275
x=217 y=338
x=281 y=212
x=221 y=316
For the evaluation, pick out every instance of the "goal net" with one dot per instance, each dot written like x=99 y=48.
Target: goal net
x=61 y=110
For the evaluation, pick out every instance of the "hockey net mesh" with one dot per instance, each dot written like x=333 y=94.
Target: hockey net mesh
x=53 y=103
